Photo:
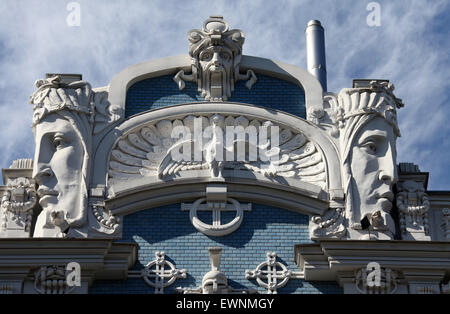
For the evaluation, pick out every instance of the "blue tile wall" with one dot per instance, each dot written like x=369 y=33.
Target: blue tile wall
x=268 y=92
x=168 y=229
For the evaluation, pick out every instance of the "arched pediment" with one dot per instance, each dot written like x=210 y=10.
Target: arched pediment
x=121 y=83
x=135 y=160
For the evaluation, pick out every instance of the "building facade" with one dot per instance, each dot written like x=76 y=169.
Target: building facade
x=220 y=173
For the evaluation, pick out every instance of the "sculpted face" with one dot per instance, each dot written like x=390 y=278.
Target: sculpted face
x=374 y=171
x=57 y=171
x=216 y=64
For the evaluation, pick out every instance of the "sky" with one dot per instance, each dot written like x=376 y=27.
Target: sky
x=409 y=46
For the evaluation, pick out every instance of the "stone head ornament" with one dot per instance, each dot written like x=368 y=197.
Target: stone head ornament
x=367 y=121
x=216 y=53
x=62 y=124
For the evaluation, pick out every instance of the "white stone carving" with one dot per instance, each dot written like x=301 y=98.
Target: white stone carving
x=215 y=281
x=67 y=114
x=52 y=280
x=17 y=203
x=330 y=225
x=413 y=205
x=216 y=54
x=63 y=133
x=106 y=219
x=368 y=130
x=446 y=223
x=159 y=273
x=272 y=275
x=388 y=282
x=105 y=113
x=148 y=151
x=217 y=229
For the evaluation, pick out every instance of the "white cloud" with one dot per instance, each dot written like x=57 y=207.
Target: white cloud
x=35 y=39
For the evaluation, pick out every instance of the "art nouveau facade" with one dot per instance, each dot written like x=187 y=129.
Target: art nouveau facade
x=216 y=172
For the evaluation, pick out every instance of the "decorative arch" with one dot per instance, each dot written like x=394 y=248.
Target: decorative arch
x=134 y=192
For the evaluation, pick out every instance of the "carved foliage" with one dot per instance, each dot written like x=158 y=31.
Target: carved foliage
x=18 y=202
x=413 y=204
x=53 y=94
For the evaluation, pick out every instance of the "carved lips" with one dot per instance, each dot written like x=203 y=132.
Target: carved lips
x=385 y=200
x=45 y=194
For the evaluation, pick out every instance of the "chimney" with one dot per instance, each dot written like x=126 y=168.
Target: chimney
x=315 y=52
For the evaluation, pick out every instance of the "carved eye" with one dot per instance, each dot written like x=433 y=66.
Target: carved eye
x=59 y=143
x=370 y=146
x=225 y=55
x=206 y=56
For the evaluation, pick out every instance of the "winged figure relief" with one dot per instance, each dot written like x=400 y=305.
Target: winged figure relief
x=154 y=151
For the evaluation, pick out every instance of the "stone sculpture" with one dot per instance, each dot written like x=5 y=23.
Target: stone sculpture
x=62 y=127
x=215 y=281
x=413 y=205
x=367 y=121
x=216 y=54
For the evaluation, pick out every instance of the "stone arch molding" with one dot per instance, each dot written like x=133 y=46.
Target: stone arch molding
x=139 y=171
x=119 y=85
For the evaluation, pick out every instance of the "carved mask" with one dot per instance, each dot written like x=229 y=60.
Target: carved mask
x=216 y=54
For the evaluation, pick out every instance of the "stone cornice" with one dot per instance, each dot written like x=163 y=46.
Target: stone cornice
x=99 y=259
x=326 y=260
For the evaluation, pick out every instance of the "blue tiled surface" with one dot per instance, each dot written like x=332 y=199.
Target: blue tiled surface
x=168 y=229
x=268 y=92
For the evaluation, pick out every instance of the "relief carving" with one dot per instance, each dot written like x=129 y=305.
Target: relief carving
x=215 y=281
x=216 y=54
x=52 y=280
x=413 y=205
x=18 y=202
x=221 y=143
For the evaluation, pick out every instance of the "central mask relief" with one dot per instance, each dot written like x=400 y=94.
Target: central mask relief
x=216 y=54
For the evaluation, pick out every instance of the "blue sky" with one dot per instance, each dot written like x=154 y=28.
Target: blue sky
x=411 y=48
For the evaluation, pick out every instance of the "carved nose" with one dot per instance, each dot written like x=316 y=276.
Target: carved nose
x=42 y=174
x=386 y=177
x=215 y=59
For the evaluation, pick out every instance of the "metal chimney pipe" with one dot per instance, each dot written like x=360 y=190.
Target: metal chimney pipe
x=315 y=52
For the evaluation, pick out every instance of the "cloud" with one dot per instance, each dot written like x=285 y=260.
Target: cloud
x=410 y=48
